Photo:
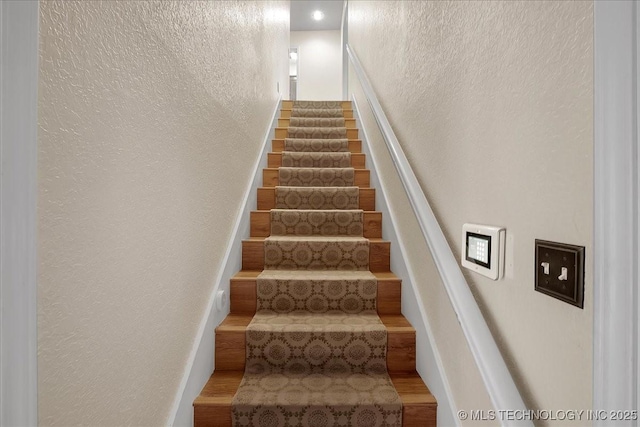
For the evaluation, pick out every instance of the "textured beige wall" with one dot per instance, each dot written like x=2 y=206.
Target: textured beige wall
x=319 y=64
x=151 y=114
x=492 y=103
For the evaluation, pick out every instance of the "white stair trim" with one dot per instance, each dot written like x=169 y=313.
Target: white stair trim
x=18 y=213
x=616 y=300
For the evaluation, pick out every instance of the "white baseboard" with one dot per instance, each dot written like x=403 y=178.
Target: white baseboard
x=200 y=365
x=428 y=362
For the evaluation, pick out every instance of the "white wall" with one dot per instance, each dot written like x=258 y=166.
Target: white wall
x=150 y=119
x=493 y=104
x=319 y=64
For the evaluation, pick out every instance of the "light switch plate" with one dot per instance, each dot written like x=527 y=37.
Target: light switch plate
x=560 y=271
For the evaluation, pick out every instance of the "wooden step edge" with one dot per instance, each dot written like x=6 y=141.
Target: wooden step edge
x=253 y=254
x=285 y=113
x=243 y=295
x=267 y=198
x=355 y=145
x=230 y=342
x=261 y=239
x=283 y=132
x=288 y=104
x=349 y=122
x=252 y=274
x=358 y=160
x=419 y=406
x=260 y=224
x=212 y=408
x=271 y=177
x=397 y=323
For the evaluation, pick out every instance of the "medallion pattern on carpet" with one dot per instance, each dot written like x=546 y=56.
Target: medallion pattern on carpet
x=316 y=177
x=317 y=197
x=285 y=291
x=317 y=112
x=316 y=253
x=316 y=122
x=317 y=132
x=330 y=105
x=316 y=145
x=316 y=160
x=309 y=222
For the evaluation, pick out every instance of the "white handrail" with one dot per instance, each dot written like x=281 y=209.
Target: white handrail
x=500 y=386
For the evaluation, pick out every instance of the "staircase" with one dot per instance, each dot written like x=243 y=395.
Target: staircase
x=315 y=336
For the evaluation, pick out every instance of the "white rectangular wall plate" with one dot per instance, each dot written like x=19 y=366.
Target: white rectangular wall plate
x=483 y=249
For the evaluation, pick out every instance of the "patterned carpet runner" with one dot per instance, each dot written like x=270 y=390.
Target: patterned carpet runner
x=316 y=160
x=316 y=348
x=308 y=145
x=317 y=197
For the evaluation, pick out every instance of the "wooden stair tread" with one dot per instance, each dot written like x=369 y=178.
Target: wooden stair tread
x=362 y=177
x=274 y=160
x=349 y=122
x=260 y=223
x=243 y=292
x=253 y=274
x=355 y=145
x=288 y=104
x=213 y=406
x=231 y=340
x=283 y=132
x=253 y=254
x=267 y=198
x=266 y=211
x=222 y=386
x=371 y=239
x=239 y=322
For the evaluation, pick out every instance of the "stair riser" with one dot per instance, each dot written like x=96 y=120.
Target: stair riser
x=253 y=256
x=261 y=224
x=282 y=133
x=243 y=296
x=267 y=199
x=277 y=145
x=270 y=178
x=231 y=350
x=286 y=114
x=214 y=415
x=288 y=105
x=348 y=123
x=275 y=160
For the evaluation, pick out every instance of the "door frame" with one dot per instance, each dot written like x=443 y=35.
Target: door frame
x=18 y=215
x=616 y=208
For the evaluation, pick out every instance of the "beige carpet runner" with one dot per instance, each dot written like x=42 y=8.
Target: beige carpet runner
x=316 y=348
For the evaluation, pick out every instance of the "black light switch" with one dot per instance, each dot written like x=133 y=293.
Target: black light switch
x=560 y=271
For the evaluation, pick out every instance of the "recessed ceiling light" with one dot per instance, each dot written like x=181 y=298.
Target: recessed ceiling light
x=318 y=15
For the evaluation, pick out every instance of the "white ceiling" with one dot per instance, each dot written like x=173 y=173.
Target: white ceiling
x=301 y=11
